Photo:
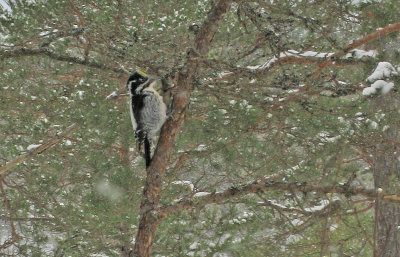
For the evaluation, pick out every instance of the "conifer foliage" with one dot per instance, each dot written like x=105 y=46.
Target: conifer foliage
x=282 y=138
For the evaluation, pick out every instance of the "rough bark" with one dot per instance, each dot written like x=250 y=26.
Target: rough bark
x=387 y=214
x=386 y=177
x=150 y=219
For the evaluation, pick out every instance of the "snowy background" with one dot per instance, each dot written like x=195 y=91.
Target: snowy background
x=4 y=5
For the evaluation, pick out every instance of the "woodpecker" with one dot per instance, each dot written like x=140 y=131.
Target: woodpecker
x=148 y=110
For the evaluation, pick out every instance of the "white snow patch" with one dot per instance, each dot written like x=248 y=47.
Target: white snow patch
x=333 y=227
x=293 y=238
x=199 y=194
x=356 y=53
x=359 y=54
x=297 y=222
x=386 y=88
x=33 y=146
x=194 y=246
x=201 y=148
x=80 y=93
x=315 y=54
x=322 y=205
x=369 y=91
x=383 y=85
x=112 y=95
x=358 y=2
x=325 y=137
x=386 y=127
x=223 y=111
x=373 y=124
x=266 y=65
x=185 y=183
x=224 y=73
x=383 y=70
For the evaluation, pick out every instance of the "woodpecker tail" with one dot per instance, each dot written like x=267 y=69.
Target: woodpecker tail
x=147 y=151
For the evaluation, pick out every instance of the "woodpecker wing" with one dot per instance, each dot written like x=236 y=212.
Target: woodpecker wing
x=136 y=105
x=153 y=114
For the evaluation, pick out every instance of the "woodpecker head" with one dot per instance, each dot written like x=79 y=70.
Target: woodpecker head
x=136 y=79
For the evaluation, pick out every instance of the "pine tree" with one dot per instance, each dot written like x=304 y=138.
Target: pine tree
x=282 y=139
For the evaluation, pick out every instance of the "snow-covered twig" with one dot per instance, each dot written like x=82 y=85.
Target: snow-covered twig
x=378 y=79
x=37 y=149
x=359 y=42
x=309 y=57
x=271 y=185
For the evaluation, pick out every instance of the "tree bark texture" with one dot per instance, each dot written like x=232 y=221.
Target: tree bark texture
x=387 y=214
x=386 y=177
x=150 y=219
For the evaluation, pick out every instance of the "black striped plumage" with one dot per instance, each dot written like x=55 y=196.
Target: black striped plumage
x=148 y=111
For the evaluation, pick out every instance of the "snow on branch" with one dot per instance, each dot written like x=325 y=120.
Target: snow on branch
x=271 y=185
x=383 y=70
x=37 y=149
x=309 y=57
x=359 y=42
x=55 y=34
x=379 y=79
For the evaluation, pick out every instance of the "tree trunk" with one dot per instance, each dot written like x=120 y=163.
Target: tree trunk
x=150 y=217
x=386 y=177
x=387 y=214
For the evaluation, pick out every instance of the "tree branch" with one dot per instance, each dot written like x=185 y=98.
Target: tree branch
x=14 y=234
x=4 y=54
x=265 y=186
x=37 y=150
x=357 y=43
x=292 y=57
x=60 y=34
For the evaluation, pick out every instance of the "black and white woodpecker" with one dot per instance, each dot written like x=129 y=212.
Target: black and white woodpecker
x=148 y=109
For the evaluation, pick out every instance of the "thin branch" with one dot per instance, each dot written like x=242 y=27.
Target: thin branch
x=20 y=219
x=37 y=150
x=60 y=34
x=357 y=43
x=77 y=13
x=15 y=236
x=287 y=58
x=4 y=54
